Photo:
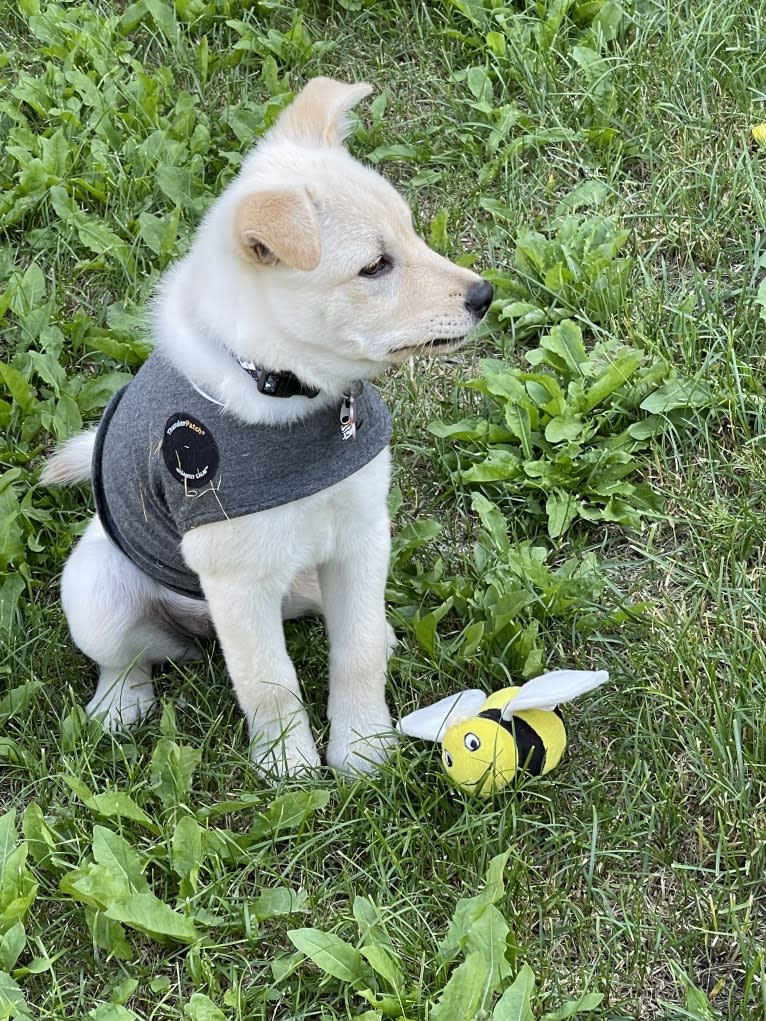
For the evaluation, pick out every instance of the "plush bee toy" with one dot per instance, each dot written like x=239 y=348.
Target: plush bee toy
x=485 y=740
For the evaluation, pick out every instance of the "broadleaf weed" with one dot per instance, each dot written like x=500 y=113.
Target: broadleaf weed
x=577 y=270
x=480 y=982
x=561 y=441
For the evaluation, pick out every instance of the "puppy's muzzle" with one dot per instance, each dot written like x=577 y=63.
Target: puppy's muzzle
x=478 y=298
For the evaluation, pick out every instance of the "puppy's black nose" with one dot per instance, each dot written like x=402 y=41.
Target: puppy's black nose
x=479 y=298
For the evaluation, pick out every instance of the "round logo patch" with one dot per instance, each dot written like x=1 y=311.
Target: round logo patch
x=189 y=450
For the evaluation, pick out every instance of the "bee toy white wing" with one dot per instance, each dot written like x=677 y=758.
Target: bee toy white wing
x=432 y=721
x=549 y=690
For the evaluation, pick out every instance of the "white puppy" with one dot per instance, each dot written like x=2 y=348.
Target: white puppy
x=305 y=279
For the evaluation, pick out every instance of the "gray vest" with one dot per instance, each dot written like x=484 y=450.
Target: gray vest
x=167 y=460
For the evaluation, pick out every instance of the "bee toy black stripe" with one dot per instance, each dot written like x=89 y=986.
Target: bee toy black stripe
x=529 y=744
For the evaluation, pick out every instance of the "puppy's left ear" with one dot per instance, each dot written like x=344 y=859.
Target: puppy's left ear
x=279 y=226
x=319 y=113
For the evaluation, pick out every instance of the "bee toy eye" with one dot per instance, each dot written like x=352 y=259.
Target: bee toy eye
x=447 y=759
x=471 y=742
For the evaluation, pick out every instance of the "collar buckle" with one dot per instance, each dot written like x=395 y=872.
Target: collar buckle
x=276 y=384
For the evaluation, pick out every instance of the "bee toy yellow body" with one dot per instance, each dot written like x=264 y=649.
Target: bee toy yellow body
x=486 y=739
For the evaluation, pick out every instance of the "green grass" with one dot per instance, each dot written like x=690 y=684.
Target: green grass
x=635 y=870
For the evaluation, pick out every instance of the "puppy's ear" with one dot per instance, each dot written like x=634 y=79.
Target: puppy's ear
x=319 y=113
x=279 y=226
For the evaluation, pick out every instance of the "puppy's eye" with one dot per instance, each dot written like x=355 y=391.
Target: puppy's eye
x=374 y=269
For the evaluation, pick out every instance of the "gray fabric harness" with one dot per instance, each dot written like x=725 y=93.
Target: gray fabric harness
x=167 y=460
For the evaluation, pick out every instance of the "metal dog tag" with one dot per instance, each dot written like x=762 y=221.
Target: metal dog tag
x=348 y=417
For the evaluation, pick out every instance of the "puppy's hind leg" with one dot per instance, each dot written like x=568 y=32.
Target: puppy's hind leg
x=109 y=604
x=123 y=695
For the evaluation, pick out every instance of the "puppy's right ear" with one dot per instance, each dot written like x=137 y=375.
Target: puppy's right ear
x=319 y=113
x=279 y=226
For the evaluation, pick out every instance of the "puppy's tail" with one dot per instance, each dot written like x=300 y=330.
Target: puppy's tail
x=71 y=462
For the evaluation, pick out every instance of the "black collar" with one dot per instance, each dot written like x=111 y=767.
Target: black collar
x=276 y=384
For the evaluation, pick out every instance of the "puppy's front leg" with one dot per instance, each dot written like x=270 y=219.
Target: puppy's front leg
x=248 y=622
x=353 y=593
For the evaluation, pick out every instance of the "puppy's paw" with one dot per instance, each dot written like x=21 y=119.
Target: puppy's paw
x=120 y=707
x=283 y=749
x=356 y=747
